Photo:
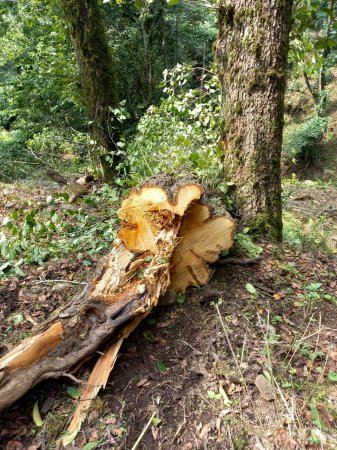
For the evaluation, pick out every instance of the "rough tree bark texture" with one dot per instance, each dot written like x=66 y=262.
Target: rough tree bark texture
x=251 y=51
x=98 y=76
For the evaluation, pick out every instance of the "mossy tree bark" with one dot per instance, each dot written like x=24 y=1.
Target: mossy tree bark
x=98 y=77
x=251 y=51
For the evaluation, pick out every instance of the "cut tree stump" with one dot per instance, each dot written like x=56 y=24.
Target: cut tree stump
x=167 y=238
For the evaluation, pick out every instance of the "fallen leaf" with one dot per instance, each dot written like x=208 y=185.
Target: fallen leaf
x=142 y=382
x=155 y=432
x=93 y=416
x=224 y=412
x=278 y=296
x=74 y=392
x=36 y=415
x=34 y=446
x=92 y=445
x=327 y=417
x=161 y=367
x=250 y=288
x=110 y=420
x=205 y=430
x=155 y=422
x=14 y=445
x=283 y=439
x=265 y=388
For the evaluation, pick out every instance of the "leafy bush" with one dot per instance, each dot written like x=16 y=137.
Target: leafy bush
x=301 y=142
x=183 y=131
x=57 y=146
x=14 y=160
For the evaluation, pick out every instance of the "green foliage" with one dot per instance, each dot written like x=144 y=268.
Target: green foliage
x=309 y=234
x=39 y=70
x=301 y=141
x=332 y=376
x=14 y=161
x=39 y=96
x=246 y=243
x=40 y=234
x=251 y=289
x=154 y=37
x=183 y=131
x=311 y=36
x=161 y=367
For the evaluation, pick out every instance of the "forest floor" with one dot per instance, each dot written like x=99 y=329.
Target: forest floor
x=212 y=345
x=194 y=363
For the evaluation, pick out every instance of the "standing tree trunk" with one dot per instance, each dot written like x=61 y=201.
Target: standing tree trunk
x=152 y=19
x=251 y=51
x=98 y=77
x=326 y=53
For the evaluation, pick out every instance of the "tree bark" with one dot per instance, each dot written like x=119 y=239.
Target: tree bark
x=251 y=51
x=326 y=52
x=152 y=23
x=313 y=94
x=98 y=77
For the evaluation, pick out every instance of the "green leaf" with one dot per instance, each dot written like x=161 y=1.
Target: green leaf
x=36 y=415
x=74 y=392
x=91 y=445
x=325 y=43
x=156 y=422
x=69 y=438
x=181 y=298
x=161 y=367
x=213 y=396
x=316 y=418
x=86 y=263
x=267 y=376
x=332 y=376
x=173 y=2
x=148 y=258
x=251 y=289
x=151 y=321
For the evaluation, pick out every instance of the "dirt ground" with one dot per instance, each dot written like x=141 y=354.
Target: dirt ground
x=194 y=364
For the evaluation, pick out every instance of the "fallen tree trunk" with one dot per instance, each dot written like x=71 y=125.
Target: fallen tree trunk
x=166 y=240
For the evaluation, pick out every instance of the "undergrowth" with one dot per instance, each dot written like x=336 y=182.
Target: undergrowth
x=305 y=234
x=56 y=228
x=300 y=142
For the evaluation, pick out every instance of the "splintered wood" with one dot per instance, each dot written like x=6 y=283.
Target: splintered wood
x=202 y=237
x=167 y=239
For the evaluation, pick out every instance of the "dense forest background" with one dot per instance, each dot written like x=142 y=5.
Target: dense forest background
x=167 y=86
x=168 y=117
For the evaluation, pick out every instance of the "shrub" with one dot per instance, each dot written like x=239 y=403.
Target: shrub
x=301 y=142
x=183 y=131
